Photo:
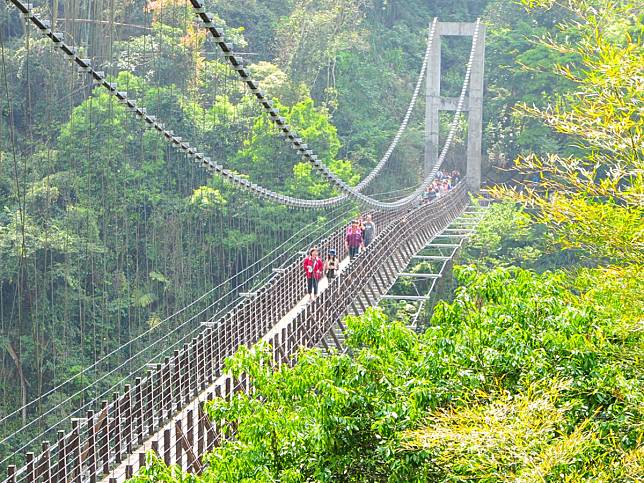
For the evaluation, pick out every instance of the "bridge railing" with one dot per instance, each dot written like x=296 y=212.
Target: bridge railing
x=119 y=426
x=405 y=237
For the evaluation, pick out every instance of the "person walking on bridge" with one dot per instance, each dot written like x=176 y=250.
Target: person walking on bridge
x=331 y=265
x=313 y=268
x=354 y=241
x=369 y=231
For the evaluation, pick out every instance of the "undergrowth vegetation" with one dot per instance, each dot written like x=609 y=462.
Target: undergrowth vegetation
x=550 y=376
x=523 y=377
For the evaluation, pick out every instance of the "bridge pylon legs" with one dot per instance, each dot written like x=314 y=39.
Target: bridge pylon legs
x=435 y=102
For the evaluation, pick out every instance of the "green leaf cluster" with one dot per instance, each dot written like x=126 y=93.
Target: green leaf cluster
x=591 y=198
x=522 y=376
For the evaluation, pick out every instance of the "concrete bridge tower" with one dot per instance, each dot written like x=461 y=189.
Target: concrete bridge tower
x=473 y=101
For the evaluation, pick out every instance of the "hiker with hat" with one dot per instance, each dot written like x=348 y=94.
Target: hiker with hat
x=331 y=264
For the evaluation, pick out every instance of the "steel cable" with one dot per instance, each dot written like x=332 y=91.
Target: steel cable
x=205 y=161
x=298 y=144
x=223 y=283
x=333 y=227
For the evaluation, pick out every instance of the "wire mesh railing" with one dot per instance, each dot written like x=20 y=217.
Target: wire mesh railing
x=103 y=441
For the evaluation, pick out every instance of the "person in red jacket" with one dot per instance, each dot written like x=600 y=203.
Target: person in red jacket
x=313 y=268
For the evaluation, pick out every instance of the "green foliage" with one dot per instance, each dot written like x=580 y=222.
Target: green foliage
x=99 y=219
x=207 y=198
x=486 y=439
x=325 y=417
x=315 y=34
x=505 y=236
x=592 y=199
x=523 y=73
x=103 y=230
x=513 y=331
x=522 y=375
x=156 y=471
x=174 y=62
x=263 y=155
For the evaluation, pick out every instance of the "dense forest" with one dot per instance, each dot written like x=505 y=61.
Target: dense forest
x=110 y=241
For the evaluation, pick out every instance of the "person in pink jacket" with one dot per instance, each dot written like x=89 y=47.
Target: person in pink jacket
x=313 y=268
x=353 y=240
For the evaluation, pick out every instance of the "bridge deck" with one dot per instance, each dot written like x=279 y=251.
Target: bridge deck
x=189 y=415
x=379 y=289
x=163 y=411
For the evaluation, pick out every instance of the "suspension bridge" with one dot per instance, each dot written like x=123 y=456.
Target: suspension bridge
x=158 y=405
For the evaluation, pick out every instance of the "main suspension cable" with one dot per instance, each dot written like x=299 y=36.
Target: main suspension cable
x=101 y=79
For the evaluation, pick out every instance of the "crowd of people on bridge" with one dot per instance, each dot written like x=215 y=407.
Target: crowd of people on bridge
x=443 y=182
x=359 y=235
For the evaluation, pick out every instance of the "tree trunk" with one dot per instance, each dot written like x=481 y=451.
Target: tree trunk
x=23 y=382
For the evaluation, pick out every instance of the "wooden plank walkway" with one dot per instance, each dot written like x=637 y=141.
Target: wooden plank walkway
x=188 y=418
x=163 y=409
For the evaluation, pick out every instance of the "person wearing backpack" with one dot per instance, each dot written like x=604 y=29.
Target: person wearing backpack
x=331 y=264
x=313 y=268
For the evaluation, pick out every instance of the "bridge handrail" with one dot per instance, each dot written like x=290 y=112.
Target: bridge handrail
x=154 y=398
x=292 y=256
x=217 y=313
x=402 y=234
